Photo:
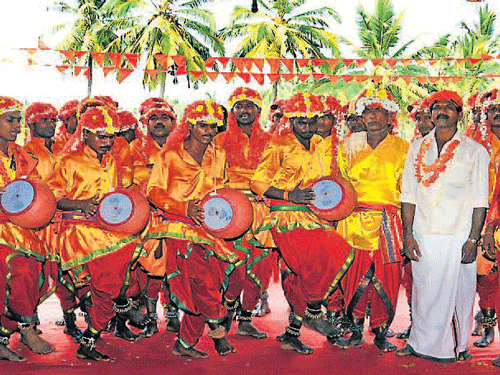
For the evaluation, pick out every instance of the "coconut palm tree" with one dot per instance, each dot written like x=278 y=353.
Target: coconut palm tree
x=283 y=28
x=170 y=27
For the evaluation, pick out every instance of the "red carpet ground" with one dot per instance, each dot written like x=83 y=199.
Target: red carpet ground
x=152 y=356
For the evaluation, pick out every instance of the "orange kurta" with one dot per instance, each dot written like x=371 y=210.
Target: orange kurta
x=143 y=158
x=80 y=176
x=18 y=164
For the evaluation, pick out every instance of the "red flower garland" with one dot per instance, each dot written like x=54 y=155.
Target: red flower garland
x=439 y=165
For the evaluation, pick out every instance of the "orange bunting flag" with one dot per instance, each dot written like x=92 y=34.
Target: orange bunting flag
x=486 y=57
x=238 y=63
x=62 y=68
x=164 y=60
x=302 y=62
x=420 y=80
x=152 y=72
x=318 y=75
x=213 y=75
x=456 y=79
x=361 y=62
x=446 y=80
x=377 y=79
x=196 y=74
x=180 y=61
x=392 y=62
x=248 y=64
x=124 y=73
x=333 y=79
x=361 y=78
x=333 y=63
x=288 y=64
x=433 y=61
x=288 y=77
x=42 y=45
x=209 y=63
x=474 y=61
x=78 y=70
x=132 y=58
x=223 y=60
x=461 y=61
x=273 y=77
x=30 y=51
x=407 y=79
x=245 y=77
x=99 y=57
x=107 y=69
x=303 y=77
x=79 y=54
x=259 y=63
x=259 y=77
x=347 y=78
x=434 y=79
x=115 y=57
x=318 y=62
x=347 y=62
x=86 y=73
x=405 y=62
x=274 y=64
x=70 y=55
x=228 y=76
x=376 y=62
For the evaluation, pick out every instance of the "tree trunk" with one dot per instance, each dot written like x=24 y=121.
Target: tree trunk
x=274 y=94
x=163 y=79
x=89 y=82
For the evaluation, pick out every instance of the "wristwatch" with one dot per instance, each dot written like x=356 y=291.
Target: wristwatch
x=473 y=240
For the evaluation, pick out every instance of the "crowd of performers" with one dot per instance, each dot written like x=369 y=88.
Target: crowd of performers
x=421 y=214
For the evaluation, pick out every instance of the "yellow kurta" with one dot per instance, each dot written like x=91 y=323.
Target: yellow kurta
x=284 y=164
x=11 y=235
x=80 y=176
x=376 y=175
x=176 y=178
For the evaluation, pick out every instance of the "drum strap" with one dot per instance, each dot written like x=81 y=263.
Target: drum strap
x=289 y=207
x=172 y=217
x=78 y=216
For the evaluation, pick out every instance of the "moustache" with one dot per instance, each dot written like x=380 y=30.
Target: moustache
x=442 y=116
x=159 y=126
x=496 y=117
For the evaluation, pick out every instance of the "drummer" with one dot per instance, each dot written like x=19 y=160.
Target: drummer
x=94 y=256
x=157 y=120
x=196 y=264
x=244 y=142
x=21 y=252
x=374 y=228
x=316 y=255
x=69 y=121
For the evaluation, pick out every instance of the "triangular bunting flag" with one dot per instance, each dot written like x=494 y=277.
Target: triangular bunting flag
x=245 y=77
x=273 y=77
x=377 y=79
x=288 y=77
x=223 y=60
x=393 y=78
x=80 y=54
x=318 y=75
x=333 y=63
x=303 y=77
x=289 y=64
x=31 y=51
x=213 y=75
x=421 y=80
x=77 y=70
x=376 y=62
x=392 y=62
x=456 y=79
x=347 y=78
x=361 y=62
x=62 y=68
x=461 y=61
x=407 y=79
x=31 y=61
x=347 y=62
x=446 y=80
x=474 y=61
x=99 y=57
x=486 y=57
x=259 y=77
x=86 y=73
x=124 y=73
x=180 y=61
x=209 y=63
x=164 y=60
x=116 y=58
x=405 y=62
x=152 y=72
x=132 y=58
x=434 y=79
x=361 y=78
x=333 y=79
x=228 y=76
x=42 y=45
x=70 y=55
x=433 y=61
x=248 y=64
x=274 y=64
x=318 y=62
x=196 y=73
x=238 y=63
x=107 y=69
x=259 y=63
x=302 y=62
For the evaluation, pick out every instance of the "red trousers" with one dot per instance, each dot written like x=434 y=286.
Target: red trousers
x=111 y=276
x=239 y=281
x=487 y=289
x=318 y=259
x=20 y=288
x=389 y=276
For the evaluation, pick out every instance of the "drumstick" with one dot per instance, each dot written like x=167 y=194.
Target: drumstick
x=320 y=164
x=215 y=172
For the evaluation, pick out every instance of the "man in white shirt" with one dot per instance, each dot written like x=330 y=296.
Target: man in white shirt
x=444 y=202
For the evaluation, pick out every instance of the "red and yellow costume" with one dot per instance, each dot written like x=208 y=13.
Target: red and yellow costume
x=62 y=136
x=306 y=243
x=243 y=156
x=374 y=229
x=197 y=265
x=85 y=249
x=22 y=253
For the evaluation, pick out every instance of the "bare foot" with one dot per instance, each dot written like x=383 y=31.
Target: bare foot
x=247 y=329
x=293 y=343
x=385 y=345
x=174 y=325
x=8 y=355
x=85 y=352
x=223 y=346
x=180 y=350
x=137 y=318
x=123 y=332
x=356 y=339
x=35 y=343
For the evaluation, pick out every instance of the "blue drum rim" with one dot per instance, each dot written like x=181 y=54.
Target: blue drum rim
x=124 y=221
x=29 y=206
x=232 y=209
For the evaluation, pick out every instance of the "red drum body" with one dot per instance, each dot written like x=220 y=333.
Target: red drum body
x=228 y=214
x=123 y=211
x=335 y=198
x=28 y=204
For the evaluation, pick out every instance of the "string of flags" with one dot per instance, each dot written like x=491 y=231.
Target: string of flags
x=257 y=69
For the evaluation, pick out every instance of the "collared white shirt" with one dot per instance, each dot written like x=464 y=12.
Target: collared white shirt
x=445 y=207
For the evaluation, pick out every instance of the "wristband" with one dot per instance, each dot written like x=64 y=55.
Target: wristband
x=472 y=240
x=285 y=195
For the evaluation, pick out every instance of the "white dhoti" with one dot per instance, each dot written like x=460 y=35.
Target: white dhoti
x=443 y=298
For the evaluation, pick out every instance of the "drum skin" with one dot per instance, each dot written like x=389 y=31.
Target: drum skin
x=241 y=217
x=136 y=221
x=38 y=212
x=344 y=207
